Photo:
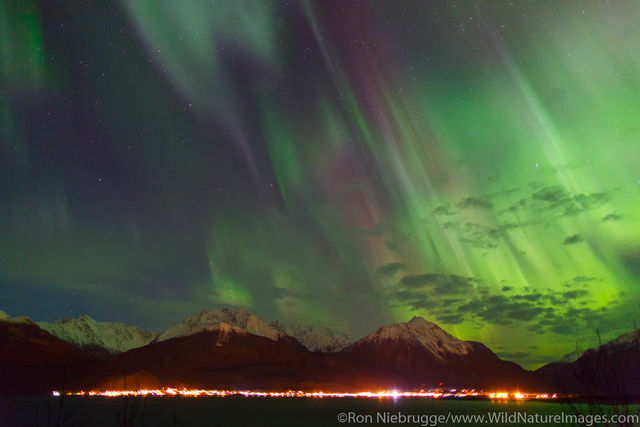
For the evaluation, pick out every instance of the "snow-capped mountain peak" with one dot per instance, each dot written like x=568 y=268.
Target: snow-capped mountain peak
x=316 y=338
x=84 y=331
x=423 y=333
x=240 y=318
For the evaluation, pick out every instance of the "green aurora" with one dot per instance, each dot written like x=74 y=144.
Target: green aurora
x=352 y=163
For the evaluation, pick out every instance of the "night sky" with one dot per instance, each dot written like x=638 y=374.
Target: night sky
x=345 y=162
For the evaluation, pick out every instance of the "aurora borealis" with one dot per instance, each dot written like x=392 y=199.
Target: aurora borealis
x=351 y=163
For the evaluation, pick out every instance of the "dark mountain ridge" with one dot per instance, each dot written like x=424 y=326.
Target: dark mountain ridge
x=412 y=355
x=612 y=370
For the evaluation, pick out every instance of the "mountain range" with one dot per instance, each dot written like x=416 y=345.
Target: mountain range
x=234 y=348
x=114 y=338
x=85 y=332
x=314 y=338
x=613 y=369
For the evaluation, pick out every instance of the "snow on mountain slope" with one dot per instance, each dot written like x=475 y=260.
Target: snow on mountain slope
x=4 y=317
x=225 y=332
x=420 y=352
x=85 y=331
x=630 y=338
x=206 y=319
x=315 y=338
x=421 y=332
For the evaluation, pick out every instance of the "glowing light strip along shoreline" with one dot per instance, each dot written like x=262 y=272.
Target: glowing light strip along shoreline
x=429 y=394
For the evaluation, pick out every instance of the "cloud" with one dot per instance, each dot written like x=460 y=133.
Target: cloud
x=472 y=306
x=556 y=199
x=390 y=270
x=405 y=295
x=562 y=311
x=568 y=320
x=611 y=217
x=583 y=202
x=516 y=206
x=443 y=210
x=437 y=294
x=524 y=311
x=498 y=309
x=480 y=236
x=439 y=283
x=572 y=240
x=578 y=293
x=392 y=246
x=580 y=281
x=425 y=303
x=512 y=225
x=532 y=305
x=552 y=195
x=631 y=261
x=534 y=297
x=450 y=319
x=564 y=328
x=474 y=203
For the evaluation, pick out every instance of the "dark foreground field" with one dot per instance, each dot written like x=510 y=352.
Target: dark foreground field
x=172 y=411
